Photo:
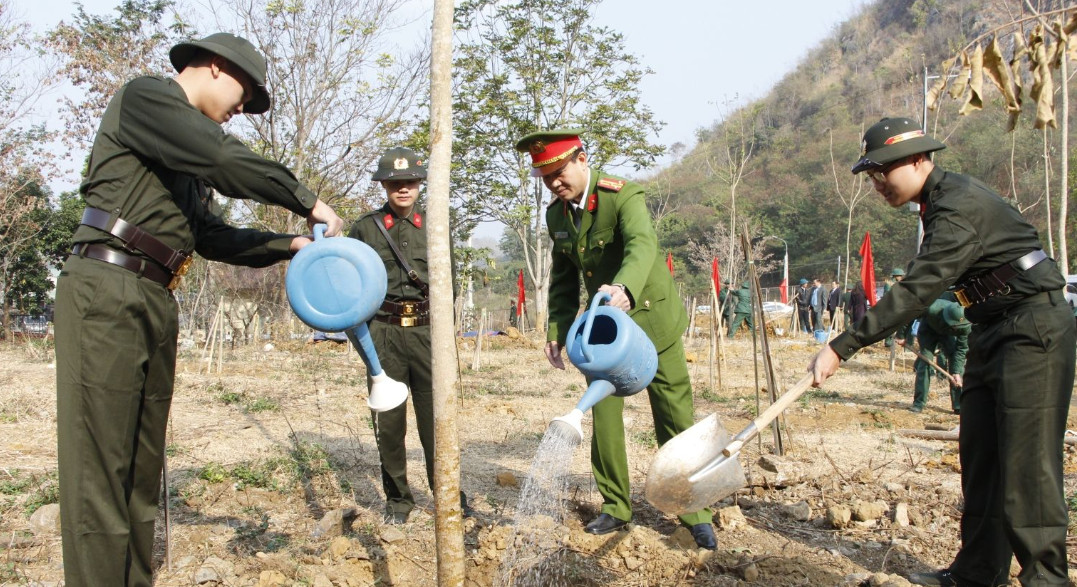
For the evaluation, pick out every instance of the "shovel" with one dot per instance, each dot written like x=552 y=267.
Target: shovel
x=699 y=466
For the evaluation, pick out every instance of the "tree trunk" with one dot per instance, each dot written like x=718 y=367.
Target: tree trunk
x=1063 y=205
x=448 y=522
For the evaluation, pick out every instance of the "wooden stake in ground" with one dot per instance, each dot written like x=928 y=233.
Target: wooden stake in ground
x=448 y=521
x=761 y=328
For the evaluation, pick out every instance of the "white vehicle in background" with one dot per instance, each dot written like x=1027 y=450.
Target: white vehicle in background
x=1071 y=290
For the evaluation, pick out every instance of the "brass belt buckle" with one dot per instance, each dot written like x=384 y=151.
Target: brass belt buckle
x=407 y=321
x=962 y=298
x=177 y=277
x=409 y=308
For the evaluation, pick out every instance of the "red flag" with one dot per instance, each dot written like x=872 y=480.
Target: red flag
x=785 y=290
x=669 y=262
x=716 y=277
x=521 y=299
x=867 y=268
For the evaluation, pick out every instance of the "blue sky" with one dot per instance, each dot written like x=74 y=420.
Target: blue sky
x=707 y=55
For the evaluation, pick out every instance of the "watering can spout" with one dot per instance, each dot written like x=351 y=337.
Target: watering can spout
x=386 y=393
x=569 y=426
x=598 y=390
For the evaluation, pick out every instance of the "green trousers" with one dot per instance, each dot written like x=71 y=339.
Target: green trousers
x=1018 y=382
x=734 y=325
x=670 y=395
x=930 y=341
x=115 y=367
x=405 y=355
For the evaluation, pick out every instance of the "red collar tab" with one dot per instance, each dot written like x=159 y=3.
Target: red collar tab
x=592 y=203
x=614 y=185
x=417 y=220
x=389 y=221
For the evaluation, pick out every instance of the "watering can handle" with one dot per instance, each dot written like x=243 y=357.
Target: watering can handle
x=595 y=301
x=319 y=231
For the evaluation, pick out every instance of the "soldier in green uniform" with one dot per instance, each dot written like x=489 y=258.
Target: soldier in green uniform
x=158 y=152
x=401 y=328
x=896 y=275
x=743 y=311
x=943 y=327
x=600 y=226
x=1019 y=375
x=729 y=303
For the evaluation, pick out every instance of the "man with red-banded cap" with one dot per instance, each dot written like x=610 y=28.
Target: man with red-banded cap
x=602 y=231
x=1018 y=379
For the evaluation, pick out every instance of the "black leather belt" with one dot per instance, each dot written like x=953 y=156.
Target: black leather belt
x=978 y=289
x=143 y=267
x=405 y=321
x=134 y=238
x=406 y=308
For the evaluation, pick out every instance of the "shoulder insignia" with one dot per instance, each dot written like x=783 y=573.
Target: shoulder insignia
x=388 y=221
x=614 y=185
x=417 y=220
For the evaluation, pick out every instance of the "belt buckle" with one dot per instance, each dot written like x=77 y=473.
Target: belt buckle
x=409 y=308
x=962 y=298
x=407 y=321
x=178 y=276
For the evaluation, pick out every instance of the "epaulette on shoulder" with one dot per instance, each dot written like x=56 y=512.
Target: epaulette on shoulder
x=611 y=184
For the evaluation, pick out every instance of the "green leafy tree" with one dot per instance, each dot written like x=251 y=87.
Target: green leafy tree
x=528 y=65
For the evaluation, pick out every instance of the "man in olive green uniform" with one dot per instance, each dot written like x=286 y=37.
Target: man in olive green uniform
x=743 y=311
x=158 y=151
x=401 y=328
x=600 y=226
x=942 y=327
x=1019 y=375
x=896 y=274
x=729 y=304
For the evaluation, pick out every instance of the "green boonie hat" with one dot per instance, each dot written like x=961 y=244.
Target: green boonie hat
x=897 y=272
x=400 y=163
x=239 y=51
x=954 y=315
x=891 y=139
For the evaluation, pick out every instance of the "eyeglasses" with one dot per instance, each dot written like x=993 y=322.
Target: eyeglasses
x=878 y=174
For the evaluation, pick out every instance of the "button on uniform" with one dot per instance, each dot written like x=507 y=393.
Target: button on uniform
x=589 y=274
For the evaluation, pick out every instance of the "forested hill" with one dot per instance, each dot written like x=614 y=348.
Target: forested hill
x=793 y=148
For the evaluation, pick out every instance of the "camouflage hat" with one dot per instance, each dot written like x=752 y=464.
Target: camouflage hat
x=235 y=49
x=400 y=163
x=550 y=148
x=891 y=139
x=897 y=272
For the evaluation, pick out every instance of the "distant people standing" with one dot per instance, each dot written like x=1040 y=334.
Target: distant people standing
x=743 y=311
x=803 y=303
x=858 y=304
x=896 y=275
x=833 y=301
x=818 y=304
x=512 y=313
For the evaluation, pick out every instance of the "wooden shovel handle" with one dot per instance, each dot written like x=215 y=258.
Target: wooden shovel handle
x=768 y=415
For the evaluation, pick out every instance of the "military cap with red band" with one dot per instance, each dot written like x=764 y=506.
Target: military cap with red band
x=550 y=149
x=891 y=139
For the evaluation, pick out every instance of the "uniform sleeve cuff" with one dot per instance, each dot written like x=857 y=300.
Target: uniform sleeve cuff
x=845 y=345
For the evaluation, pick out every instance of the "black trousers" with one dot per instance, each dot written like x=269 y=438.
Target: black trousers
x=1018 y=382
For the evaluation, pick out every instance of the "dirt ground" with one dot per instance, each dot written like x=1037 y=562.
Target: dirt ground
x=265 y=457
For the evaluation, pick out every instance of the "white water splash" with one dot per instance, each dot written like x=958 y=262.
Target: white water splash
x=538 y=533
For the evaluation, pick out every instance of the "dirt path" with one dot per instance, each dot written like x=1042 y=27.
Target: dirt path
x=261 y=453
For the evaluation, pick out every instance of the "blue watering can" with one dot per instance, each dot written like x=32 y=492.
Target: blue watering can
x=617 y=357
x=337 y=285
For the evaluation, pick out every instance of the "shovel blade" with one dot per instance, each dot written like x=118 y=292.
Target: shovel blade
x=668 y=487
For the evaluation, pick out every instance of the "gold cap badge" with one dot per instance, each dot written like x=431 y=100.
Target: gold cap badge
x=401 y=163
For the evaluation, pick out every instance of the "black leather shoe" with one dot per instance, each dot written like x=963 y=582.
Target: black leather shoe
x=604 y=524
x=704 y=535
x=943 y=578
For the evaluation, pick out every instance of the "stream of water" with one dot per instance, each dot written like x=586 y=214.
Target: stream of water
x=530 y=559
